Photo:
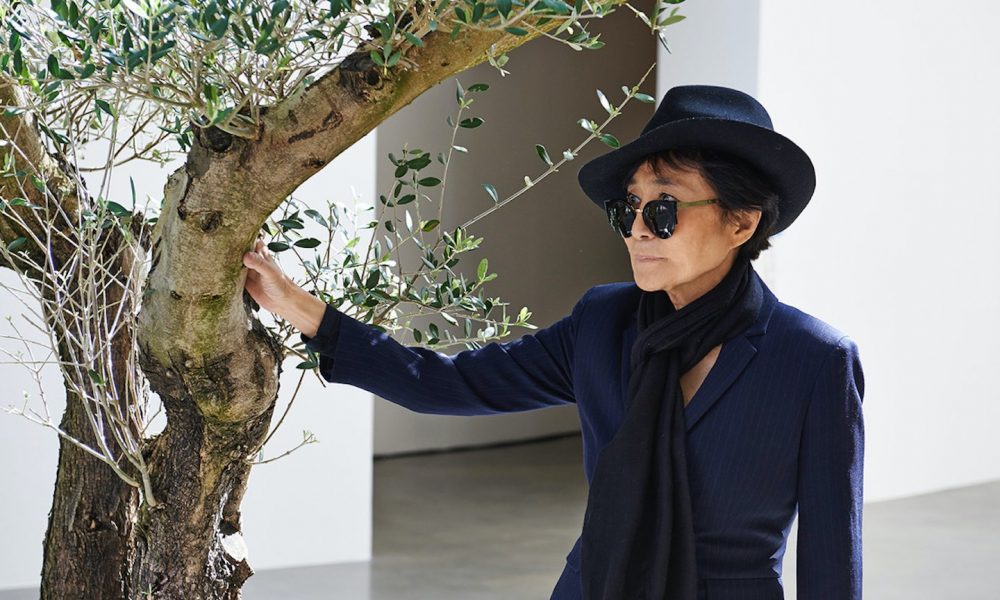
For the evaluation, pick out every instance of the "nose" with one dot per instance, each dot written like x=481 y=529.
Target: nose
x=639 y=228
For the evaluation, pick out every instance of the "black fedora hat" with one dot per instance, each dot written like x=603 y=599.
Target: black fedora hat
x=717 y=118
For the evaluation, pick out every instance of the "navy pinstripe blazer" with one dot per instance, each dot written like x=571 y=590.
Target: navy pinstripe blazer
x=775 y=430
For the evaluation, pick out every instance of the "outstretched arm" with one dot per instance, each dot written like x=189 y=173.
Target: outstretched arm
x=531 y=372
x=830 y=497
x=534 y=371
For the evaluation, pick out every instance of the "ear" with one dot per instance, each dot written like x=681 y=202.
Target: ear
x=743 y=226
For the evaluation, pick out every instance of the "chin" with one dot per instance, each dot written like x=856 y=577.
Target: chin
x=647 y=285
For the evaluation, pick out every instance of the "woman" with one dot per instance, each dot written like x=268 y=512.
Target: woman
x=711 y=412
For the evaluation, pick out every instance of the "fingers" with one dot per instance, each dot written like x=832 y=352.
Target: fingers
x=258 y=258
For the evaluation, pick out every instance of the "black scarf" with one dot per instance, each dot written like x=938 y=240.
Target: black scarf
x=638 y=531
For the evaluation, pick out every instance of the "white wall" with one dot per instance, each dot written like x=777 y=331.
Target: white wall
x=313 y=506
x=896 y=104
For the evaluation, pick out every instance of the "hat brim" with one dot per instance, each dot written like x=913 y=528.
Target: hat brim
x=779 y=159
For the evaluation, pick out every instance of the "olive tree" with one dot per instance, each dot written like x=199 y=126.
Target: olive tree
x=253 y=97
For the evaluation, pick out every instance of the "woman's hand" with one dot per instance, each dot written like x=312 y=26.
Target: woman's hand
x=266 y=283
x=273 y=290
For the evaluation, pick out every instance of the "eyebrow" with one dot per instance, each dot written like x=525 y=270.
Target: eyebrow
x=658 y=180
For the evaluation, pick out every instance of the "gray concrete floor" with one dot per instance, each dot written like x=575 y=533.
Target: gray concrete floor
x=496 y=524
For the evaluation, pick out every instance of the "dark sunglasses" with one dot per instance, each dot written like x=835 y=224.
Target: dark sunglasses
x=659 y=215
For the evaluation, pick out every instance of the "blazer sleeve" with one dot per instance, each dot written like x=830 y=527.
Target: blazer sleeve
x=830 y=490
x=531 y=372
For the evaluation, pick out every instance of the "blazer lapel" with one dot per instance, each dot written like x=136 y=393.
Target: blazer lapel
x=733 y=360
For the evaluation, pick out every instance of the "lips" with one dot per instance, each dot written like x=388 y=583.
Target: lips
x=645 y=258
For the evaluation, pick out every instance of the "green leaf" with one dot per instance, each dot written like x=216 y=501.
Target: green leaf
x=481 y=269
x=671 y=20
x=644 y=98
x=429 y=225
x=516 y=30
x=117 y=209
x=277 y=246
x=543 y=154
x=429 y=181
x=587 y=124
x=610 y=140
x=413 y=39
x=479 y=87
x=503 y=7
x=95 y=377
x=291 y=224
x=604 y=102
x=492 y=191
x=471 y=122
x=16 y=243
x=307 y=243
x=317 y=217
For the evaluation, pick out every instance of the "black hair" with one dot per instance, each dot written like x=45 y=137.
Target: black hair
x=739 y=186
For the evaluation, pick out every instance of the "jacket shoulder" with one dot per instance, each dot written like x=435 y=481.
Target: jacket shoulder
x=804 y=330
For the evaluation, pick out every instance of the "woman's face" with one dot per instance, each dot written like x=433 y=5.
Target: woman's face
x=702 y=248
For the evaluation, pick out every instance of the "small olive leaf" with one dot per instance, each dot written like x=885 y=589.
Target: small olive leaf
x=429 y=181
x=610 y=140
x=413 y=39
x=459 y=90
x=277 y=246
x=644 y=98
x=429 y=225
x=587 y=124
x=671 y=20
x=461 y=149
x=307 y=243
x=479 y=87
x=568 y=155
x=528 y=182
x=117 y=209
x=543 y=154
x=104 y=106
x=503 y=7
x=95 y=377
x=491 y=191
x=16 y=243
x=314 y=214
x=481 y=269
x=604 y=102
x=409 y=221
x=515 y=30
x=417 y=335
x=449 y=318
x=471 y=122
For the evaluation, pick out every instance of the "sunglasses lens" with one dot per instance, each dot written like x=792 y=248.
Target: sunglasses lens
x=621 y=216
x=663 y=217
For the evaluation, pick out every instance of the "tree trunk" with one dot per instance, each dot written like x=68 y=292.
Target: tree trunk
x=191 y=546
x=90 y=523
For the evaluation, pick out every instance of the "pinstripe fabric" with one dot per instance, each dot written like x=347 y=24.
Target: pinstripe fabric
x=775 y=429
